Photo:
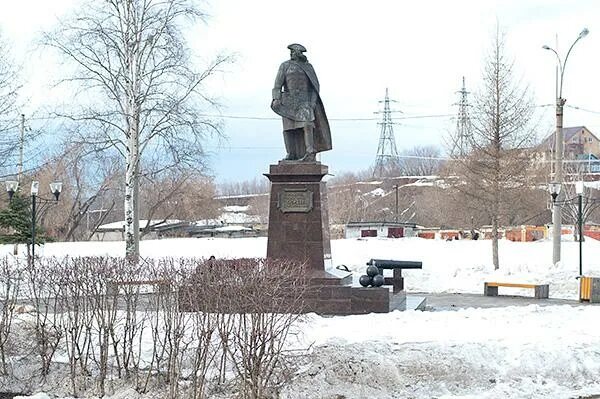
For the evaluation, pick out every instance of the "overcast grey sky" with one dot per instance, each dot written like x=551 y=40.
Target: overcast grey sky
x=418 y=49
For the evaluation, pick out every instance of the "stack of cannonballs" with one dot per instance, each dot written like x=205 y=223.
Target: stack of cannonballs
x=372 y=278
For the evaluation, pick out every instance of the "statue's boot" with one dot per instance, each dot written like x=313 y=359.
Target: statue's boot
x=309 y=140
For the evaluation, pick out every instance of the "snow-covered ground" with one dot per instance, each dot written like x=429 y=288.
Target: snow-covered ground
x=448 y=266
x=508 y=352
x=512 y=352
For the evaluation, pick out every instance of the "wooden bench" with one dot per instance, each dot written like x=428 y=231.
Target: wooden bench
x=541 y=291
x=397 y=281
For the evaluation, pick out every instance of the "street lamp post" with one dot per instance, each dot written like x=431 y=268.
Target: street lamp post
x=558 y=149
x=55 y=189
x=579 y=191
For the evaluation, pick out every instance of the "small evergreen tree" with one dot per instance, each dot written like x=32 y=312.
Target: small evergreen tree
x=15 y=222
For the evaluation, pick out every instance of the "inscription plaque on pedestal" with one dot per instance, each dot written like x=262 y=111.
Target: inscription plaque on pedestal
x=295 y=200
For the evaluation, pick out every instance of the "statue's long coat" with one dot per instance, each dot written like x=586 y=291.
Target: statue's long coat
x=287 y=106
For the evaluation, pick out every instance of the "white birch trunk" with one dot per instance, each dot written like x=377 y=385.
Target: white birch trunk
x=131 y=206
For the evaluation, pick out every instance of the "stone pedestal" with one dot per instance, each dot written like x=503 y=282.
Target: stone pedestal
x=299 y=231
x=298 y=217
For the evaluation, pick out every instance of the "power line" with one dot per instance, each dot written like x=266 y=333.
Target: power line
x=424 y=116
x=261 y=118
x=349 y=119
x=582 y=109
x=365 y=153
x=570 y=106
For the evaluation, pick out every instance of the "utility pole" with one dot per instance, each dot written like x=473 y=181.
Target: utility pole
x=558 y=148
x=21 y=140
x=460 y=147
x=387 y=154
x=558 y=177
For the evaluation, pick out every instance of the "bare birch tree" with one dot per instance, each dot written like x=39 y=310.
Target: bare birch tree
x=9 y=115
x=143 y=95
x=494 y=174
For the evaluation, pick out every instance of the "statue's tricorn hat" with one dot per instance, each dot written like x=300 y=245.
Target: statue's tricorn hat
x=296 y=46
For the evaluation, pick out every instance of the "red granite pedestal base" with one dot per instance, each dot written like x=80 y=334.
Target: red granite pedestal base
x=299 y=231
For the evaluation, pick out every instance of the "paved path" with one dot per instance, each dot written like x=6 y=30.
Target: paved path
x=462 y=301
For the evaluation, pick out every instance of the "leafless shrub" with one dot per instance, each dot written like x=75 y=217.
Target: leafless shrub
x=201 y=285
x=104 y=310
x=45 y=291
x=131 y=324
x=251 y=306
x=210 y=322
x=76 y=321
x=10 y=277
x=99 y=318
x=168 y=325
x=265 y=299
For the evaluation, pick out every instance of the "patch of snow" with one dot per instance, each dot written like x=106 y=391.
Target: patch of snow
x=592 y=184
x=40 y=395
x=207 y=222
x=238 y=218
x=421 y=183
x=378 y=192
x=221 y=197
x=235 y=208
x=374 y=182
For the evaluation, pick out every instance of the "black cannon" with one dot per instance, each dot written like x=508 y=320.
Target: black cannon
x=375 y=267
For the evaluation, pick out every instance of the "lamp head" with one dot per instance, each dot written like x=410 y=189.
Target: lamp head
x=584 y=33
x=35 y=187
x=554 y=189
x=56 y=188
x=11 y=188
x=579 y=187
x=546 y=47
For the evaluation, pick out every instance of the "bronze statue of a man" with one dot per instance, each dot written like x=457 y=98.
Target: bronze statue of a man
x=296 y=98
